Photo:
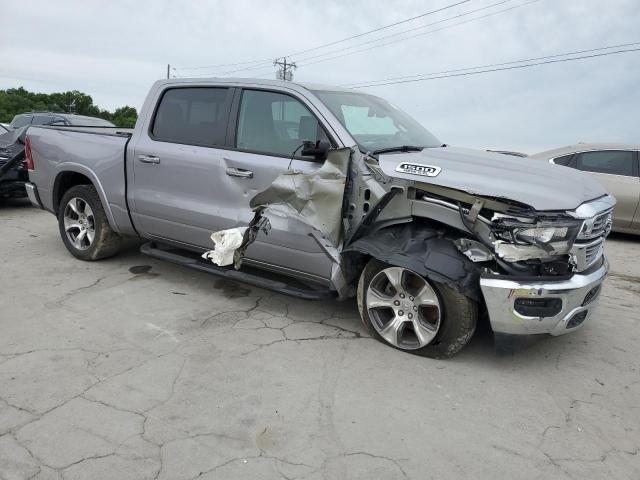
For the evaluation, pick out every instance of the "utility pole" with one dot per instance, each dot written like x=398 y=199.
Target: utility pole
x=285 y=69
x=168 y=69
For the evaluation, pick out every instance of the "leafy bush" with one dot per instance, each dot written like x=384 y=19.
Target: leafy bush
x=18 y=100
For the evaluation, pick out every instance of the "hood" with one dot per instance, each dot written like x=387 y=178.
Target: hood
x=540 y=185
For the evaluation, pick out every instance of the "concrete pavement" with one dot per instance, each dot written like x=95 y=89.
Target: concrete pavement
x=131 y=368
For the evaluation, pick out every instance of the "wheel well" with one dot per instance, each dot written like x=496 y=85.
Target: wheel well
x=64 y=181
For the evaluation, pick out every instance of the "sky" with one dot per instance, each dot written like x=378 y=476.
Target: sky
x=115 y=50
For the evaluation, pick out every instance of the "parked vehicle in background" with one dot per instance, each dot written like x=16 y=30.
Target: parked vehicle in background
x=58 y=119
x=4 y=128
x=333 y=192
x=616 y=166
x=13 y=169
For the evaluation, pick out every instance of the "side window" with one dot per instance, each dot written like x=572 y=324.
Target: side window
x=565 y=160
x=275 y=123
x=614 y=162
x=42 y=120
x=193 y=116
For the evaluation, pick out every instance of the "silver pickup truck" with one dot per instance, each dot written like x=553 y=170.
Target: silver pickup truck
x=335 y=193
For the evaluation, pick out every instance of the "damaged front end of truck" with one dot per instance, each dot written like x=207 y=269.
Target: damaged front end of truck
x=534 y=271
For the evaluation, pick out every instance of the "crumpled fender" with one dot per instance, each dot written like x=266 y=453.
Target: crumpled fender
x=425 y=250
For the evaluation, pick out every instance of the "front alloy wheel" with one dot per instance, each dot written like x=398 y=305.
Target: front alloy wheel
x=401 y=308
x=404 y=309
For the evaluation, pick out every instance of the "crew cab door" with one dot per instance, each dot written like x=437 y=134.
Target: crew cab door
x=617 y=170
x=176 y=164
x=266 y=130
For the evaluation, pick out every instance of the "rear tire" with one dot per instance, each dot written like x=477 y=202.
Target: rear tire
x=416 y=316
x=84 y=227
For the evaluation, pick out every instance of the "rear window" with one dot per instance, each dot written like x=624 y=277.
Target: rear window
x=42 y=120
x=87 y=122
x=193 y=116
x=612 y=162
x=20 y=121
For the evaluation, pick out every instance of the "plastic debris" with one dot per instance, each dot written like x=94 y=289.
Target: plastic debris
x=225 y=244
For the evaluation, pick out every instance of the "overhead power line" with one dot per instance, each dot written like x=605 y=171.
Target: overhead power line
x=419 y=27
x=365 y=84
x=462 y=73
x=208 y=67
x=384 y=27
x=254 y=64
x=303 y=63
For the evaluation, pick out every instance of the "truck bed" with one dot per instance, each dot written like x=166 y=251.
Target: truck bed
x=98 y=153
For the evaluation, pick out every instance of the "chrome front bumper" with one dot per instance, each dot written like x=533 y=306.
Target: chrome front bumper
x=32 y=193
x=579 y=296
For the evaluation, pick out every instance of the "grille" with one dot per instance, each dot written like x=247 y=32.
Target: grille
x=589 y=245
x=598 y=226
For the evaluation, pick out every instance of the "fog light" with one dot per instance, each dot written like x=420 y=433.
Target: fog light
x=577 y=319
x=538 y=307
x=592 y=295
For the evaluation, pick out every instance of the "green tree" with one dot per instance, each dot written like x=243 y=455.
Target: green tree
x=14 y=101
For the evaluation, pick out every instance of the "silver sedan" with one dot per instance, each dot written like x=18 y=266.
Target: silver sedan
x=617 y=168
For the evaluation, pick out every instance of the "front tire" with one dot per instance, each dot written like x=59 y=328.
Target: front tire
x=406 y=311
x=84 y=227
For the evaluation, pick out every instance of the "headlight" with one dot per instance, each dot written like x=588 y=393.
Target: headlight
x=547 y=234
x=554 y=237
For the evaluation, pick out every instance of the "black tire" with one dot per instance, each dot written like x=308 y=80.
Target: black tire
x=458 y=316
x=106 y=243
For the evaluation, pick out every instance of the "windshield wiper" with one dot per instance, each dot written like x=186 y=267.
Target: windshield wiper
x=401 y=148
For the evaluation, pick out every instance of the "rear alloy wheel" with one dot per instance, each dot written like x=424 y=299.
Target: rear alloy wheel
x=79 y=223
x=403 y=309
x=84 y=227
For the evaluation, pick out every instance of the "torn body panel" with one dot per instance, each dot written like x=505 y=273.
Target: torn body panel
x=425 y=250
x=313 y=198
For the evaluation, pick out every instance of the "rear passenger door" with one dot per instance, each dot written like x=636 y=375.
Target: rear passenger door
x=266 y=131
x=177 y=166
x=617 y=170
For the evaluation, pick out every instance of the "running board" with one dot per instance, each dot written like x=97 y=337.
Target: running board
x=194 y=261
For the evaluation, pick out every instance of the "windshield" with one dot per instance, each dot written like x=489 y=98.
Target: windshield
x=375 y=123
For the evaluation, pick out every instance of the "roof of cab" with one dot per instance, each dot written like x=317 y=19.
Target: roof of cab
x=255 y=81
x=585 y=147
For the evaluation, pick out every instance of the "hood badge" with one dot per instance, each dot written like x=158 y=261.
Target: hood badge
x=418 y=169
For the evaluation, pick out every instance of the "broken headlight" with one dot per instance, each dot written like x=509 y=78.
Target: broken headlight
x=553 y=237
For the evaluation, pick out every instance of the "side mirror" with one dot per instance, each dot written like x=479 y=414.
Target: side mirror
x=317 y=149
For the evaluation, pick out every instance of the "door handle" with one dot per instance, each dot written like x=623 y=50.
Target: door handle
x=149 y=159
x=239 y=172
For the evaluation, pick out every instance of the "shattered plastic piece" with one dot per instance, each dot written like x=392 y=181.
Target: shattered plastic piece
x=225 y=244
x=257 y=224
x=474 y=250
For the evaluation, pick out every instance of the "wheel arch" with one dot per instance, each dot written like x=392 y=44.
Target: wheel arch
x=71 y=174
x=427 y=248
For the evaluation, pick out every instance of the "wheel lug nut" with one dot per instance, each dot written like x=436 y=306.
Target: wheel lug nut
x=410 y=316
x=396 y=303
x=415 y=308
x=401 y=313
x=402 y=295
x=411 y=298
